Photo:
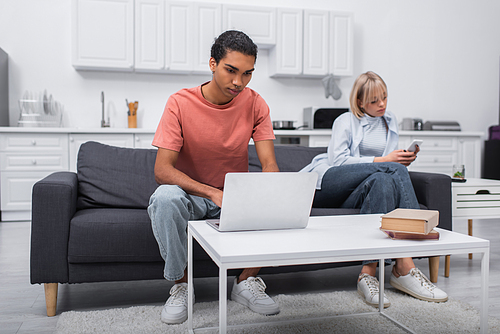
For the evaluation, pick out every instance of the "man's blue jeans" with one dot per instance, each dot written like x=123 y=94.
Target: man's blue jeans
x=378 y=187
x=170 y=208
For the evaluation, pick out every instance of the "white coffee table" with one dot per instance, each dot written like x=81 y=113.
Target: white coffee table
x=326 y=239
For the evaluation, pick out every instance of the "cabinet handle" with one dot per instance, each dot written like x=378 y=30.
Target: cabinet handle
x=33 y=142
x=436 y=144
x=436 y=160
x=33 y=162
x=137 y=139
x=71 y=139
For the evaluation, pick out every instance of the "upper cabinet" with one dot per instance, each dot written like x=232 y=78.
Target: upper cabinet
x=341 y=43
x=316 y=39
x=103 y=34
x=179 y=20
x=207 y=26
x=149 y=35
x=257 y=22
x=286 y=57
x=312 y=43
x=176 y=36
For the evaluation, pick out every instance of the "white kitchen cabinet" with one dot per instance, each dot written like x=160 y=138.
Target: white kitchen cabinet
x=103 y=34
x=113 y=139
x=285 y=59
x=441 y=150
x=257 y=22
x=317 y=44
x=179 y=19
x=341 y=57
x=144 y=140
x=24 y=159
x=316 y=39
x=207 y=26
x=175 y=36
x=149 y=35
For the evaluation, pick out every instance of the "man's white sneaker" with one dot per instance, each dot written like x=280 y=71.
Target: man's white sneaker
x=368 y=288
x=419 y=286
x=175 y=309
x=251 y=293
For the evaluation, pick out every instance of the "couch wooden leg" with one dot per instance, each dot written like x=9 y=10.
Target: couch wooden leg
x=51 y=298
x=447 y=259
x=469 y=223
x=433 y=268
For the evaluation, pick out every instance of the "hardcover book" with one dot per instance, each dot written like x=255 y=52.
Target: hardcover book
x=410 y=220
x=432 y=235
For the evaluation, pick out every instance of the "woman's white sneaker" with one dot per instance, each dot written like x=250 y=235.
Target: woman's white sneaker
x=368 y=288
x=175 y=309
x=416 y=284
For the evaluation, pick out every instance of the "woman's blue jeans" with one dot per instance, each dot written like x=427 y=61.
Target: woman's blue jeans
x=170 y=208
x=378 y=187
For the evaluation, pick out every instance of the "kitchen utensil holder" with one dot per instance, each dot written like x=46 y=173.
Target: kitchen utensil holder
x=132 y=121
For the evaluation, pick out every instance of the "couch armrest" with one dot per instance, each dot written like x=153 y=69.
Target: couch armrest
x=434 y=191
x=53 y=206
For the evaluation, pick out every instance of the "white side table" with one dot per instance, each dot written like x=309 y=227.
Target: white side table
x=476 y=198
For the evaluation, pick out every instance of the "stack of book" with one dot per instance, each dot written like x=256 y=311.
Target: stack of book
x=410 y=224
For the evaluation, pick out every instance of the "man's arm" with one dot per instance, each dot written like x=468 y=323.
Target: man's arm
x=265 y=152
x=166 y=173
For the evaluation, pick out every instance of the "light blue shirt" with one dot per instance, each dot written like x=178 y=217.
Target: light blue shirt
x=347 y=133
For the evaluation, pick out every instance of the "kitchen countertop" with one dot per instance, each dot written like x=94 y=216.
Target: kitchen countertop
x=300 y=132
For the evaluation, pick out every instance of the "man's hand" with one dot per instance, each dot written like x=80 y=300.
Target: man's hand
x=217 y=197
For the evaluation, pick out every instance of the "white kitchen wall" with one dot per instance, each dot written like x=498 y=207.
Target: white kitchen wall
x=440 y=60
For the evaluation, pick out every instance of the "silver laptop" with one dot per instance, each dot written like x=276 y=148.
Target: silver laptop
x=265 y=201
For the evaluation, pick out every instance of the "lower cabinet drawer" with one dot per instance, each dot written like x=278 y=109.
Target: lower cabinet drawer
x=16 y=189
x=476 y=201
x=34 y=161
x=32 y=142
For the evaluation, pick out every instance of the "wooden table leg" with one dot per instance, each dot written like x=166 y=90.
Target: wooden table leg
x=433 y=268
x=470 y=233
x=50 y=298
x=447 y=259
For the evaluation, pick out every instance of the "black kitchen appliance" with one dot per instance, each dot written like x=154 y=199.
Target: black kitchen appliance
x=4 y=88
x=321 y=118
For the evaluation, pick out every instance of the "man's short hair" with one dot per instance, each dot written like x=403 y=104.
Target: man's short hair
x=233 y=40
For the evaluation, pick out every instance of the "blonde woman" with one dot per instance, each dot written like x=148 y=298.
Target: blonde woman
x=364 y=169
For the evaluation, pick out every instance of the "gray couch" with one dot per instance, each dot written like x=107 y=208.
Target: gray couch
x=92 y=226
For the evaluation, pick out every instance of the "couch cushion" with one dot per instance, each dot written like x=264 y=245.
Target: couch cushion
x=289 y=158
x=107 y=235
x=117 y=177
x=112 y=235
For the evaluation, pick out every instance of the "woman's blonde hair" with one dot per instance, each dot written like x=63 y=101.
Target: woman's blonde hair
x=368 y=86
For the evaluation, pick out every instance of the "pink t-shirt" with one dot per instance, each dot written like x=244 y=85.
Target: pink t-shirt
x=211 y=139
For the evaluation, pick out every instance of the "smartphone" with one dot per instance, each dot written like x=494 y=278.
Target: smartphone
x=415 y=142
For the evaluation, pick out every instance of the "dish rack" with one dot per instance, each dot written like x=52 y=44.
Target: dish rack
x=39 y=111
